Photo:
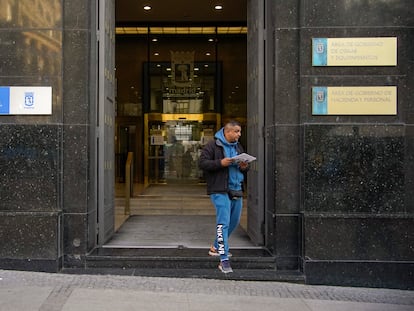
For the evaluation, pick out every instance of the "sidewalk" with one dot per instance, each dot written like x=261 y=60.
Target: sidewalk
x=32 y=291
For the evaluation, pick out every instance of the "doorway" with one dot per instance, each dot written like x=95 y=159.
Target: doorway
x=175 y=86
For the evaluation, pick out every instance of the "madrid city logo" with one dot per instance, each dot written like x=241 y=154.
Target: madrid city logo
x=320 y=96
x=320 y=48
x=29 y=100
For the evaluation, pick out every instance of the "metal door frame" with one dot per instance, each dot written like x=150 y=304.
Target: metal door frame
x=256 y=220
x=105 y=120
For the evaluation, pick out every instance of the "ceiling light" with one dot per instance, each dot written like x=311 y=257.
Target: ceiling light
x=147 y=7
x=208 y=54
x=182 y=30
x=218 y=7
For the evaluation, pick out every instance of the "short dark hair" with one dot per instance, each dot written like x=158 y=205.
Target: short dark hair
x=232 y=123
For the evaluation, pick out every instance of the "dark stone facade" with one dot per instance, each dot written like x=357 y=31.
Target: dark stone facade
x=45 y=163
x=340 y=205
x=342 y=198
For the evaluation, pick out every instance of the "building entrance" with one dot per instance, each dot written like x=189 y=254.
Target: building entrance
x=175 y=88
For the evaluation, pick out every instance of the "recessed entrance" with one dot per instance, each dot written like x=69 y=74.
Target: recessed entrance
x=176 y=84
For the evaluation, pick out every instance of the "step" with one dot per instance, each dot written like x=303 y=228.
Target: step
x=248 y=264
x=176 y=258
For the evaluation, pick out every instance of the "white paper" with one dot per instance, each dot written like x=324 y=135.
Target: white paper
x=243 y=157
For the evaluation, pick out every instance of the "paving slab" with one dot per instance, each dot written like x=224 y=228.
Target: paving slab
x=21 y=291
x=23 y=298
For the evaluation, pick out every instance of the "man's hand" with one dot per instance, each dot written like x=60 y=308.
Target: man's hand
x=226 y=162
x=243 y=165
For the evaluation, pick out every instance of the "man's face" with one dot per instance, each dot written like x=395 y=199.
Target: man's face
x=232 y=133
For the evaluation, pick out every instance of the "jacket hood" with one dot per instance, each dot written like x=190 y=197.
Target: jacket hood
x=220 y=136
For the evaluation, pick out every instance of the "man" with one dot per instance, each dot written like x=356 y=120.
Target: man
x=224 y=177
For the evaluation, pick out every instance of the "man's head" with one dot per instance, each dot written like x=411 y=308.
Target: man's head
x=232 y=131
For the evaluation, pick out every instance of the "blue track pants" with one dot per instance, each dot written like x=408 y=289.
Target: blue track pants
x=228 y=214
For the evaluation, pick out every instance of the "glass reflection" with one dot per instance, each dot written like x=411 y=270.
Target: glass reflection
x=31 y=46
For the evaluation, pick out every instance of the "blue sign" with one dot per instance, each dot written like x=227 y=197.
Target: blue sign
x=319 y=51
x=25 y=100
x=4 y=100
x=28 y=99
x=319 y=100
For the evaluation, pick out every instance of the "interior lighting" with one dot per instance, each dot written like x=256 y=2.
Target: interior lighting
x=218 y=7
x=147 y=7
x=182 y=30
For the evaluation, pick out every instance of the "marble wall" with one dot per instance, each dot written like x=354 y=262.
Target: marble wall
x=44 y=183
x=343 y=184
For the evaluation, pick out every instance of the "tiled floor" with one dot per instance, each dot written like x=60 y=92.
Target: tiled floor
x=167 y=231
x=173 y=231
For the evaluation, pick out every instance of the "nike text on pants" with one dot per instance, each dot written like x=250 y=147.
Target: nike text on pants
x=228 y=214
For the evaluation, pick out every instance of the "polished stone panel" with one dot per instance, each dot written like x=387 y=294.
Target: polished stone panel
x=287 y=171
x=366 y=274
x=287 y=240
x=32 y=53
x=75 y=234
x=286 y=17
x=30 y=161
x=358 y=237
x=31 y=146
x=76 y=68
x=354 y=168
x=286 y=77
x=23 y=53
x=77 y=13
x=92 y=226
x=76 y=168
x=26 y=14
x=30 y=235
x=409 y=171
x=320 y=13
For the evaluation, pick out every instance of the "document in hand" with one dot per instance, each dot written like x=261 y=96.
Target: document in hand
x=243 y=157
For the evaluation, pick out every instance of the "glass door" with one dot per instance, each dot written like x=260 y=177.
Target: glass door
x=174 y=147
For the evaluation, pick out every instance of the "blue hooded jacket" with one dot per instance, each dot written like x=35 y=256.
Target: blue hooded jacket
x=236 y=177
